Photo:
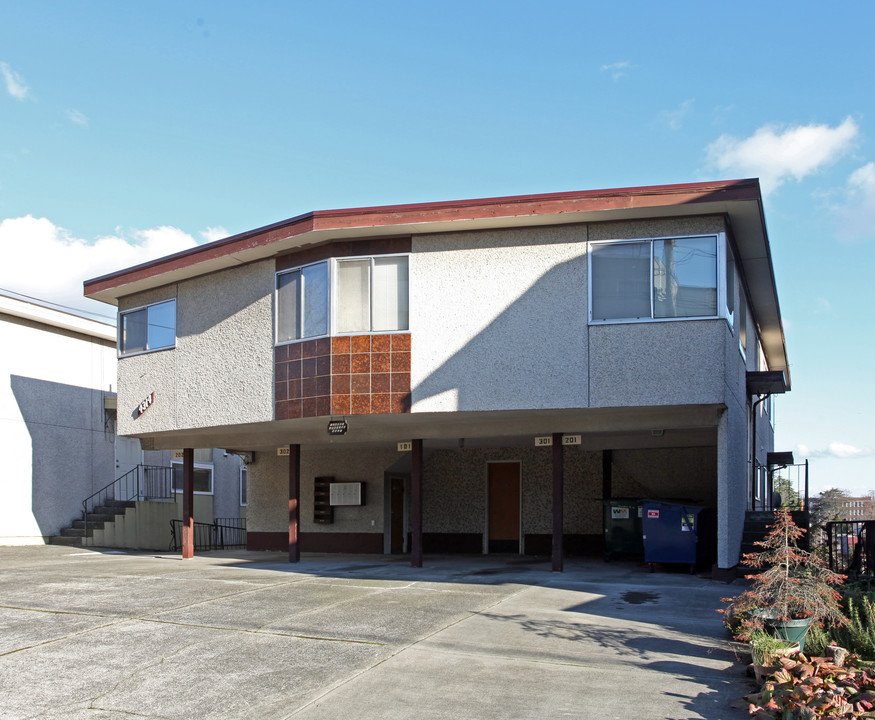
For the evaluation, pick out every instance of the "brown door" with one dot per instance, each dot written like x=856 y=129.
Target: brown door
x=504 y=507
x=397 y=515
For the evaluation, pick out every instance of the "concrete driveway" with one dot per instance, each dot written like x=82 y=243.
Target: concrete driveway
x=106 y=635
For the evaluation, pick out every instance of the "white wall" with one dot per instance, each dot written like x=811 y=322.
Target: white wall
x=52 y=440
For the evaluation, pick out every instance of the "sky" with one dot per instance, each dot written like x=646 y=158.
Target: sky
x=132 y=130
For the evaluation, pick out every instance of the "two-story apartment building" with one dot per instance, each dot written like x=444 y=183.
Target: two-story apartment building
x=494 y=368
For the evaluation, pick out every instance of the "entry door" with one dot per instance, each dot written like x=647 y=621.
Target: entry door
x=396 y=512
x=128 y=455
x=504 y=507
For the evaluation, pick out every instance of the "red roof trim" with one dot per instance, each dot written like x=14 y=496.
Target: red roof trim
x=389 y=215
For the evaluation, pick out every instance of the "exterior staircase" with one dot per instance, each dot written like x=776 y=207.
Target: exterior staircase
x=96 y=519
x=756 y=524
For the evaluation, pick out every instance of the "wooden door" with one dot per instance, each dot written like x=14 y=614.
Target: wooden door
x=504 y=507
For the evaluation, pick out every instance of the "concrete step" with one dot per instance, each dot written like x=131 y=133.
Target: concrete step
x=91 y=524
x=115 y=506
x=75 y=532
x=100 y=517
x=64 y=540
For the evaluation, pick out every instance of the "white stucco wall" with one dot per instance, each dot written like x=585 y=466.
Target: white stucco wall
x=498 y=320
x=52 y=435
x=221 y=370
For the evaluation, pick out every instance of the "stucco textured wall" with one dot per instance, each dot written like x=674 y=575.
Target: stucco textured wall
x=499 y=319
x=221 y=370
x=668 y=363
x=269 y=489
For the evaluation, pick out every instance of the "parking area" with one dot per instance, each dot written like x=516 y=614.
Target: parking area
x=107 y=634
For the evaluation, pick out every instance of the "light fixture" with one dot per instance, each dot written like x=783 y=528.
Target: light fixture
x=657 y=433
x=337 y=427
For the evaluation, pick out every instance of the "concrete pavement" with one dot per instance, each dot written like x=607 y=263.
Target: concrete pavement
x=106 y=635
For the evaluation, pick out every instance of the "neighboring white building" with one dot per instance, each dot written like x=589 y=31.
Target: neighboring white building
x=642 y=322
x=58 y=431
x=57 y=371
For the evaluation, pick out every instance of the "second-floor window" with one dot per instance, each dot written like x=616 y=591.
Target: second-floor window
x=349 y=295
x=147 y=328
x=654 y=279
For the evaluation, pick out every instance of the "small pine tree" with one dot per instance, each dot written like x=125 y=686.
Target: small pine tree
x=793 y=584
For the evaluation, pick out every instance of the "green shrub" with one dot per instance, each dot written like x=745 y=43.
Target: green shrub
x=858 y=636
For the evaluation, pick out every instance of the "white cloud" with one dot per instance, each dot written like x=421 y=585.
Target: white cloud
x=839 y=450
x=618 y=69
x=776 y=154
x=675 y=118
x=15 y=84
x=855 y=210
x=214 y=233
x=45 y=261
x=78 y=118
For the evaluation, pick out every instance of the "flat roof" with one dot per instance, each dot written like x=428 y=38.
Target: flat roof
x=739 y=200
x=36 y=312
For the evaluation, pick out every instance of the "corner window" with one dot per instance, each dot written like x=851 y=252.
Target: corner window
x=148 y=328
x=302 y=303
x=350 y=295
x=372 y=295
x=654 y=279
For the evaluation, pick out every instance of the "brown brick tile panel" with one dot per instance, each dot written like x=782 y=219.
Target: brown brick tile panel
x=349 y=375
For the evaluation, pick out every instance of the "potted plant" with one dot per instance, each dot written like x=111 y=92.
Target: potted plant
x=794 y=589
x=765 y=650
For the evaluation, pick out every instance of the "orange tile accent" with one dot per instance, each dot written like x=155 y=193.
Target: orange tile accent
x=340 y=405
x=381 y=343
x=381 y=362
x=360 y=363
x=340 y=345
x=360 y=404
x=345 y=375
x=380 y=403
x=360 y=344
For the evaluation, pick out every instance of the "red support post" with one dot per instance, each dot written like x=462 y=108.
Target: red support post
x=558 y=505
x=188 y=503
x=294 y=502
x=416 y=505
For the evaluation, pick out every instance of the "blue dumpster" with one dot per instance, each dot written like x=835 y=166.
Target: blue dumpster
x=677 y=533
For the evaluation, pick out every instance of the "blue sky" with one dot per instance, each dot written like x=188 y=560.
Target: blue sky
x=132 y=130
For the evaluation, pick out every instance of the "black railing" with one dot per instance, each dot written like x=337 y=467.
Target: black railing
x=144 y=482
x=851 y=547
x=222 y=534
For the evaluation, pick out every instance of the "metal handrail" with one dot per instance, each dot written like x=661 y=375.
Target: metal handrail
x=143 y=482
x=228 y=534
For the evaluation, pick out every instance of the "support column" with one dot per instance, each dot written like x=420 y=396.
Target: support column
x=607 y=483
x=188 y=503
x=294 y=502
x=416 y=505
x=558 y=498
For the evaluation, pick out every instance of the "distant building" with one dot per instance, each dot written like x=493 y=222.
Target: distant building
x=58 y=432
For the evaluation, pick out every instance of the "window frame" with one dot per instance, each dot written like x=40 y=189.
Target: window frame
x=333 y=305
x=300 y=306
x=244 y=485
x=722 y=310
x=120 y=329
x=198 y=466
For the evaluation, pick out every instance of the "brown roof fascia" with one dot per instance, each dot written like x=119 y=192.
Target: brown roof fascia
x=475 y=209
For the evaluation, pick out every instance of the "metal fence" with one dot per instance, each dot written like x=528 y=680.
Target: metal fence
x=851 y=547
x=222 y=534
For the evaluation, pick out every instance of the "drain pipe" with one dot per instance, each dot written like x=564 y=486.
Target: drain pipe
x=753 y=451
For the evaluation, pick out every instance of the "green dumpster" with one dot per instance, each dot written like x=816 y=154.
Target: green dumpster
x=623 y=532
